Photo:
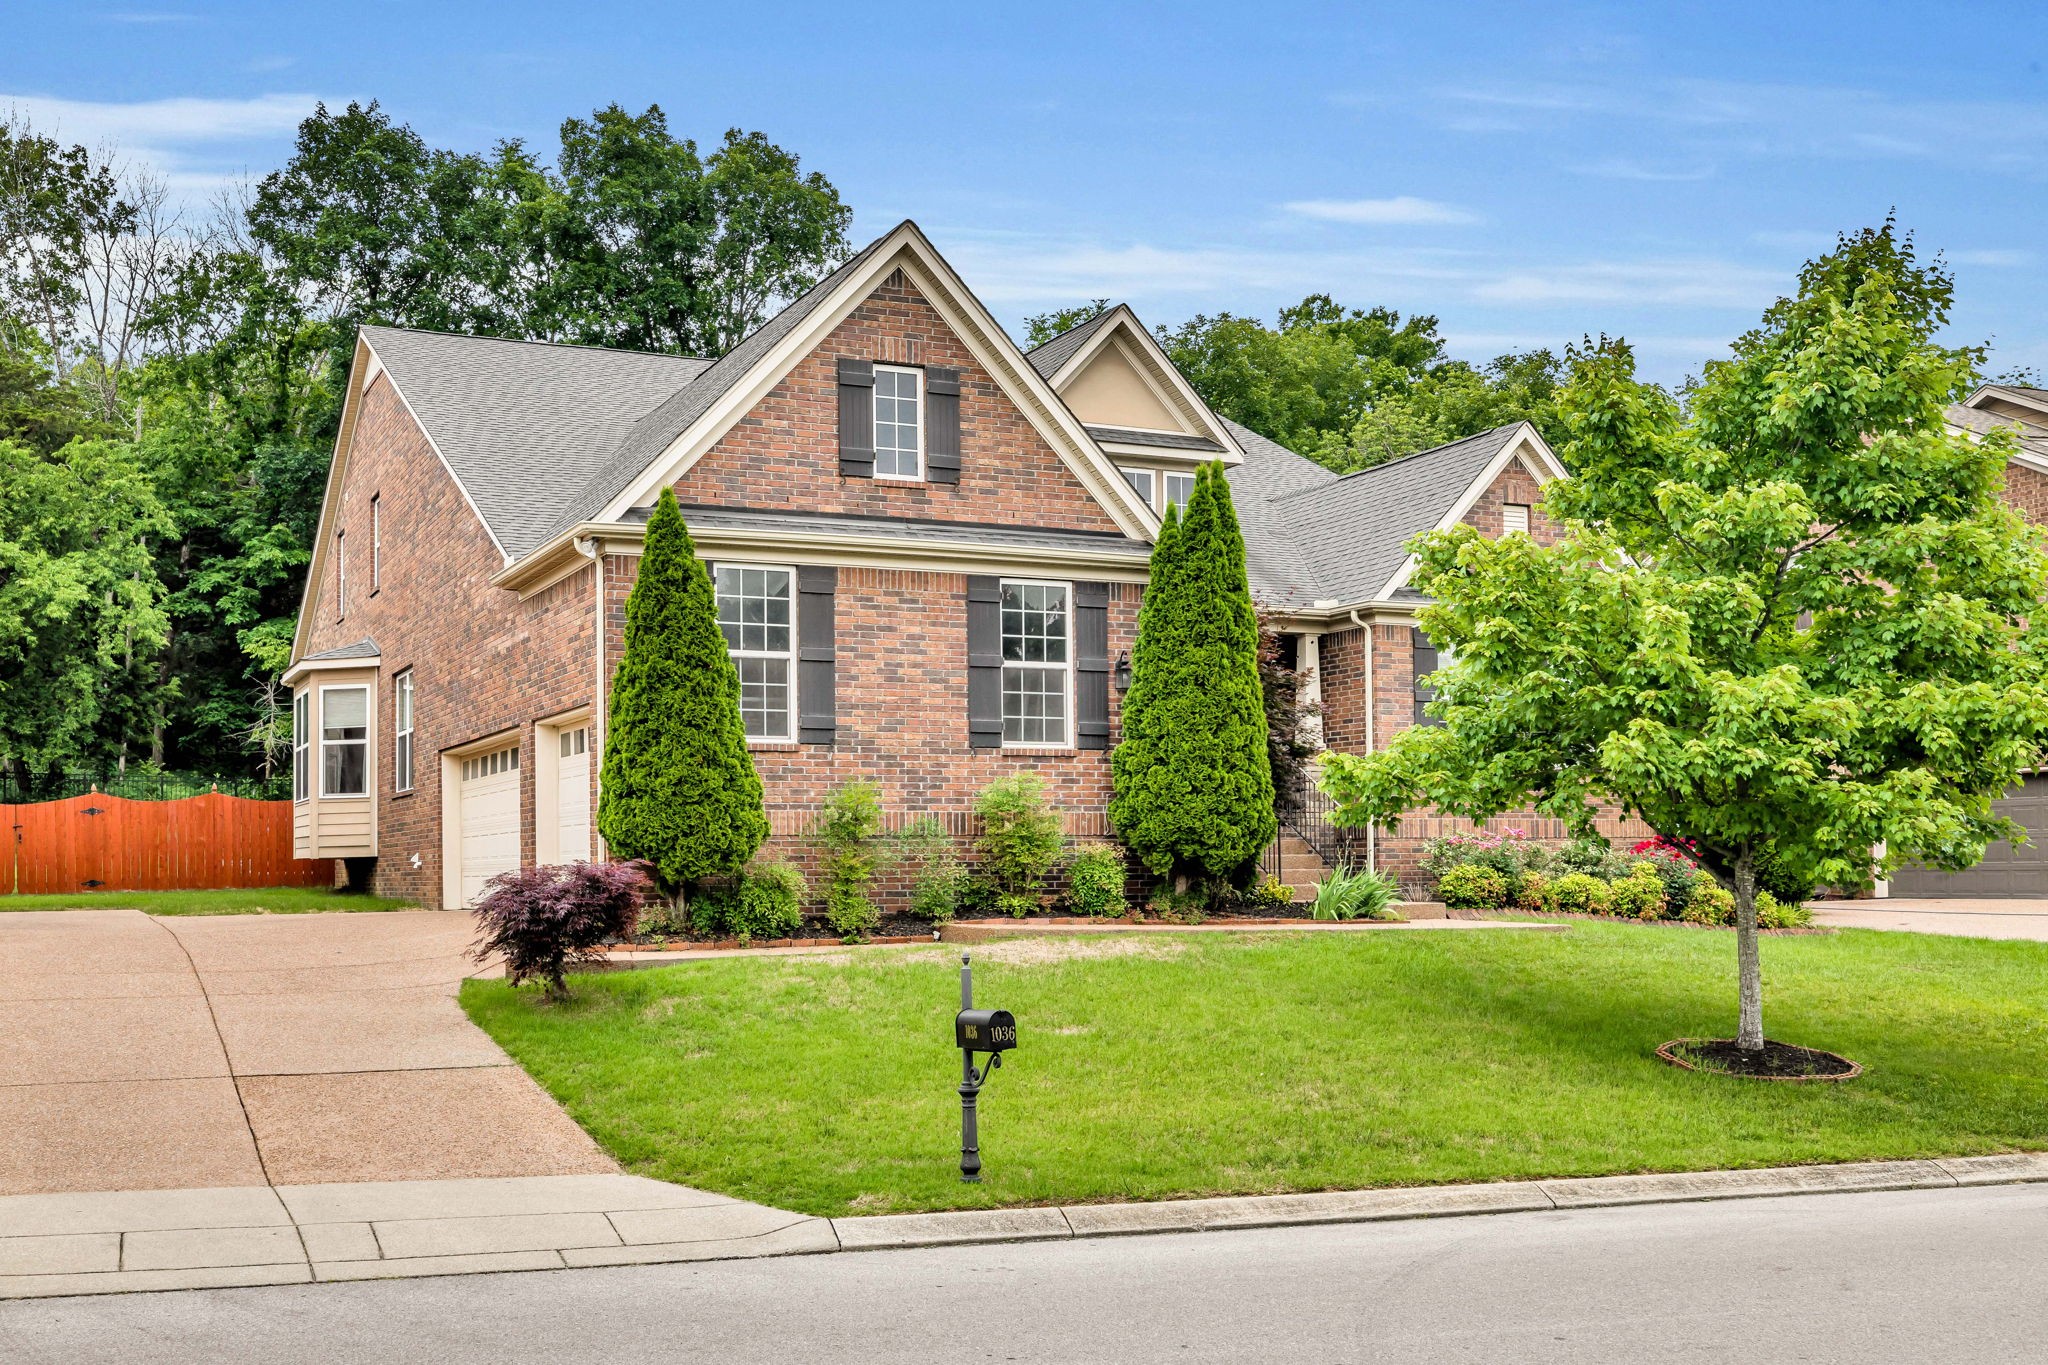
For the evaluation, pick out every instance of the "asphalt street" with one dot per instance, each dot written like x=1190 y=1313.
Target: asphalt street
x=1950 y=1275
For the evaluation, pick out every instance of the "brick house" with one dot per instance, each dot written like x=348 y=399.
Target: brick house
x=928 y=549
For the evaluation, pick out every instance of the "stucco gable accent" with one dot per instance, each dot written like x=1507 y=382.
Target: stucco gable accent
x=1119 y=338
x=908 y=250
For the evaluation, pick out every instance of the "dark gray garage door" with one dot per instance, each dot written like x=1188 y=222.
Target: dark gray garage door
x=2005 y=871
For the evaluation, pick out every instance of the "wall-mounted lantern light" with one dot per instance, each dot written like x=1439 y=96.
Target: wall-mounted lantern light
x=1123 y=671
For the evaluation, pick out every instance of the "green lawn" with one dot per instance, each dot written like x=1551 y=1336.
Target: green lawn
x=263 y=900
x=1151 y=1068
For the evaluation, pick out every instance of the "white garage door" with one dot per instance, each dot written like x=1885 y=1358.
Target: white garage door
x=490 y=819
x=572 y=796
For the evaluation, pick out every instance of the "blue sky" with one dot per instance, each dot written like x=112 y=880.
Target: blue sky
x=1528 y=173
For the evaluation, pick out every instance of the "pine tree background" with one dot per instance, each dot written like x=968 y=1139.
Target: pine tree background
x=1194 y=790
x=679 y=786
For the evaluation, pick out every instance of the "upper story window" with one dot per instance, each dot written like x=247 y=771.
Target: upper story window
x=1179 y=488
x=401 y=725
x=302 y=746
x=340 y=574
x=1514 y=516
x=1143 y=480
x=376 y=542
x=1037 y=667
x=899 y=425
x=754 y=614
x=344 y=741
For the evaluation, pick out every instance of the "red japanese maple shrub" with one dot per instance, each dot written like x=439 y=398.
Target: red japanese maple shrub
x=543 y=919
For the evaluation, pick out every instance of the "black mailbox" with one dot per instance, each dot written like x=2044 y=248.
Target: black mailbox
x=985 y=1030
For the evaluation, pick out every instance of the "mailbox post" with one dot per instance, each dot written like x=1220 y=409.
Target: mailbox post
x=990 y=1031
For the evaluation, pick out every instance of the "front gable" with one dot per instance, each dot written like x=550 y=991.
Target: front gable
x=767 y=437
x=1119 y=378
x=1516 y=474
x=783 y=453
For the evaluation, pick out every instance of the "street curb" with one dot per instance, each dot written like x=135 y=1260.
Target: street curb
x=971 y=1226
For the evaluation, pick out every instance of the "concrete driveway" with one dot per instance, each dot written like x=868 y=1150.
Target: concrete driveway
x=1972 y=918
x=193 y=1053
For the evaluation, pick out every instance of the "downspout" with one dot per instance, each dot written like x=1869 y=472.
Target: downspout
x=591 y=550
x=1372 y=832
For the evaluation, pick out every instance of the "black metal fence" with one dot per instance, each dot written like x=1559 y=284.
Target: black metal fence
x=139 y=784
x=1306 y=816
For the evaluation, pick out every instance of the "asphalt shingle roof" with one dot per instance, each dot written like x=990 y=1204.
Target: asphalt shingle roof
x=521 y=422
x=364 y=648
x=2033 y=438
x=1165 y=440
x=1048 y=356
x=702 y=518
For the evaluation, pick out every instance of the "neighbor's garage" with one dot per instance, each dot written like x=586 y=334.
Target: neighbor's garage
x=490 y=819
x=2005 y=871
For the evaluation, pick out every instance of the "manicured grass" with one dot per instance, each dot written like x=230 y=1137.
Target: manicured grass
x=262 y=900
x=1151 y=1068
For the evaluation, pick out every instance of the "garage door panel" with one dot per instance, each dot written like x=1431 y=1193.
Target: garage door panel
x=489 y=811
x=2005 y=871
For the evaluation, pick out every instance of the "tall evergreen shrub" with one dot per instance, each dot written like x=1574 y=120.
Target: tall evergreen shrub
x=1194 y=789
x=679 y=788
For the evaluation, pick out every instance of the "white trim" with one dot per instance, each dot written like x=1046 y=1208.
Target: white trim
x=906 y=249
x=2010 y=395
x=788 y=656
x=302 y=746
x=536 y=573
x=305 y=666
x=341 y=575
x=369 y=770
x=1151 y=482
x=1155 y=366
x=1165 y=454
x=1067 y=726
x=917 y=398
x=404 y=700
x=1542 y=465
x=1165 y=497
x=376 y=542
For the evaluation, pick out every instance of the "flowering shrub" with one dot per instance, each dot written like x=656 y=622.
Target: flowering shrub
x=541 y=919
x=1510 y=852
x=1470 y=886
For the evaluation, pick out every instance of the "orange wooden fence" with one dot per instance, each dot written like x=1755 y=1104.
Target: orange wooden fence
x=109 y=843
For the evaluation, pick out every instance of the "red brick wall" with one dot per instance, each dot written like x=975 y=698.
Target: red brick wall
x=785 y=453
x=1513 y=484
x=1340 y=666
x=902 y=709
x=482 y=660
x=2027 y=489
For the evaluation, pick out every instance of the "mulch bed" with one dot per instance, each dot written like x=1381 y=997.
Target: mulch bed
x=905 y=929
x=1801 y=931
x=1777 y=1061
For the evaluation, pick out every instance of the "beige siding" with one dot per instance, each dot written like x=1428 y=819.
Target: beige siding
x=339 y=826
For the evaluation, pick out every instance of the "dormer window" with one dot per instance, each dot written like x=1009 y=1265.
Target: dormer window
x=1178 y=489
x=899 y=426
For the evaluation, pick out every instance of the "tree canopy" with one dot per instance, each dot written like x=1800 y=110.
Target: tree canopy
x=1793 y=621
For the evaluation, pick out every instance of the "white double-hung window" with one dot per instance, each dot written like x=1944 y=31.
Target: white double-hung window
x=899 y=423
x=344 y=741
x=1037 y=663
x=755 y=614
x=1179 y=488
x=401 y=723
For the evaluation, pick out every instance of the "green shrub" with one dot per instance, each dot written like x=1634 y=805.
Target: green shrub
x=938 y=880
x=1193 y=796
x=1095 y=881
x=1771 y=913
x=1472 y=887
x=1181 y=907
x=1679 y=878
x=1578 y=893
x=710 y=911
x=663 y=919
x=1530 y=892
x=1020 y=834
x=1786 y=886
x=1270 y=895
x=1016 y=904
x=770 y=903
x=1640 y=895
x=1585 y=856
x=1344 y=894
x=847 y=828
x=679 y=786
x=1711 y=903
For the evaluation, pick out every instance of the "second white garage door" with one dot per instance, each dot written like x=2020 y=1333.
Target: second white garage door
x=572 y=796
x=490 y=819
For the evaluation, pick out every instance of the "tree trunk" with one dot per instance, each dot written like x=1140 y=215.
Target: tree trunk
x=1749 y=1032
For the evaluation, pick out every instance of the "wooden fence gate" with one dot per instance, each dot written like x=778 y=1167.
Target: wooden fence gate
x=109 y=843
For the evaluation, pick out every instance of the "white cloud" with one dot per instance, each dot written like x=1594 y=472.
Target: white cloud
x=1697 y=283
x=1996 y=259
x=196 y=145
x=1403 y=209
x=1618 y=168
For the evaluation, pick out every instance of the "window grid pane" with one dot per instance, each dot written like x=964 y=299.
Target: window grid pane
x=1034 y=632
x=897 y=420
x=1179 y=488
x=755 y=616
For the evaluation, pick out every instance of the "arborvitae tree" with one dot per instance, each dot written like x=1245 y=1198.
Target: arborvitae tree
x=679 y=785
x=1194 y=791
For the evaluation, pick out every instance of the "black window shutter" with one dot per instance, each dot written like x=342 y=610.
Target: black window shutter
x=1091 y=665
x=816 y=653
x=942 y=425
x=984 y=662
x=856 y=419
x=1425 y=664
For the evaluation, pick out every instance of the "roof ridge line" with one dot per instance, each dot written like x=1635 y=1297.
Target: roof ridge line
x=532 y=341
x=1411 y=455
